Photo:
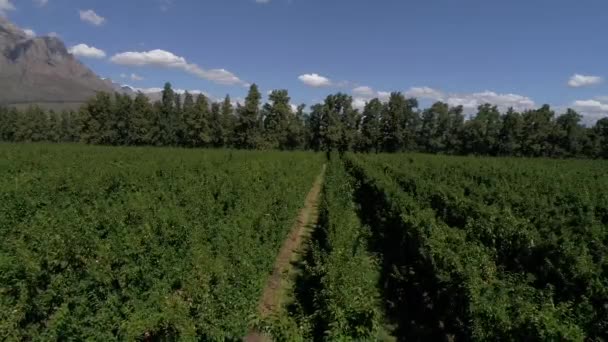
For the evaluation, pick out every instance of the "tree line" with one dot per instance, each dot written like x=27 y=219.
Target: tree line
x=335 y=125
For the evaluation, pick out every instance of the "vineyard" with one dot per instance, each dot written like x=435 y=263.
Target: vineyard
x=418 y=247
x=106 y=243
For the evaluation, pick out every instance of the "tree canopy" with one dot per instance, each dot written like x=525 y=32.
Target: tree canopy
x=398 y=124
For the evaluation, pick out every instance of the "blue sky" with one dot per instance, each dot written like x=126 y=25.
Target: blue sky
x=513 y=53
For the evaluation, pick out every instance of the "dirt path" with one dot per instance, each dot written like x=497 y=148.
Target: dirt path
x=274 y=291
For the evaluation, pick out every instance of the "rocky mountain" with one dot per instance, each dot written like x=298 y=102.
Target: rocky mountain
x=41 y=70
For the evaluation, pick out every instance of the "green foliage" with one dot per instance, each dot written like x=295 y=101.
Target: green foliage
x=247 y=130
x=346 y=299
x=489 y=249
x=102 y=243
x=393 y=126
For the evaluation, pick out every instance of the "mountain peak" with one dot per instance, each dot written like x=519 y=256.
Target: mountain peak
x=41 y=70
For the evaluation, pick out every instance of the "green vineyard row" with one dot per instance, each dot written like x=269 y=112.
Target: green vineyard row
x=104 y=243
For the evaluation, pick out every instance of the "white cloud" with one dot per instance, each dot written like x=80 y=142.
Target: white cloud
x=191 y=91
x=363 y=94
x=53 y=34
x=29 y=33
x=424 y=93
x=5 y=6
x=502 y=101
x=83 y=50
x=384 y=95
x=578 y=80
x=149 y=90
x=123 y=75
x=315 y=80
x=92 y=18
x=592 y=110
x=364 y=91
x=359 y=102
x=41 y=3
x=158 y=58
x=136 y=77
x=166 y=59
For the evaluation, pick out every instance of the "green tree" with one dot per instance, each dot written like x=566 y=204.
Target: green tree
x=277 y=118
x=69 y=126
x=570 y=134
x=123 y=110
x=167 y=116
x=314 y=128
x=140 y=121
x=434 y=129
x=510 y=139
x=296 y=131
x=247 y=130
x=453 y=135
x=198 y=132
x=8 y=123
x=371 y=126
x=217 y=131
x=53 y=133
x=94 y=116
x=32 y=125
x=338 y=123
x=399 y=123
x=228 y=123
x=601 y=132
x=538 y=128
x=482 y=131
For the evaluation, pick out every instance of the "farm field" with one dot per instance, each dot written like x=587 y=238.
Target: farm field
x=419 y=247
x=102 y=243
x=106 y=243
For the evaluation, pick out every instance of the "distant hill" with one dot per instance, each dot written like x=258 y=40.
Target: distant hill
x=40 y=70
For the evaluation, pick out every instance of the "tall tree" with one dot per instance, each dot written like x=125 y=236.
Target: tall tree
x=435 y=125
x=123 y=109
x=371 y=129
x=53 y=134
x=247 y=130
x=453 y=135
x=399 y=123
x=338 y=123
x=315 y=128
x=196 y=120
x=277 y=118
x=601 y=132
x=140 y=121
x=215 y=121
x=510 y=138
x=8 y=123
x=296 y=131
x=570 y=134
x=167 y=113
x=95 y=118
x=178 y=124
x=69 y=126
x=228 y=123
x=538 y=127
x=482 y=131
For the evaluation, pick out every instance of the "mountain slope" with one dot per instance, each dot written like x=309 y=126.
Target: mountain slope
x=41 y=70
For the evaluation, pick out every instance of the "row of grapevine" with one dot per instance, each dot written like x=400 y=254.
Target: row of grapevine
x=104 y=243
x=443 y=283
x=550 y=233
x=337 y=298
